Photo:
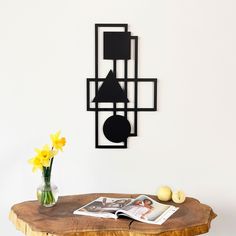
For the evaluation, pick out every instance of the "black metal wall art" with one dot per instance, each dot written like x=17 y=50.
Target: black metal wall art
x=114 y=94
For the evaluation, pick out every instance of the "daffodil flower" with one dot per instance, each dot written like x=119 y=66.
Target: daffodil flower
x=57 y=141
x=36 y=162
x=45 y=155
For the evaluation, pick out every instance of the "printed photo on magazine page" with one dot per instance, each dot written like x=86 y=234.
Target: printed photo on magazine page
x=147 y=210
x=103 y=207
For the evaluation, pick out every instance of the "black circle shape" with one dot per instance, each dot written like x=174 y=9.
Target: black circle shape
x=116 y=128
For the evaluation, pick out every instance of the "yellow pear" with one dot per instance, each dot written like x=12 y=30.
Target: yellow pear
x=164 y=193
x=178 y=196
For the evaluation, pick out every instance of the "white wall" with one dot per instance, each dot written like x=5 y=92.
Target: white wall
x=46 y=54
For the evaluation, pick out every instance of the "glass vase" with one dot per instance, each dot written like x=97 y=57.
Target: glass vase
x=47 y=193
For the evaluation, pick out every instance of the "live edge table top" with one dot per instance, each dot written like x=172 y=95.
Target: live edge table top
x=192 y=218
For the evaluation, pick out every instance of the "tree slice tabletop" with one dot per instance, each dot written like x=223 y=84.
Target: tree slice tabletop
x=192 y=218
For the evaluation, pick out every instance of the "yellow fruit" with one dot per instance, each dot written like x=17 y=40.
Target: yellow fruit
x=164 y=193
x=178 y=196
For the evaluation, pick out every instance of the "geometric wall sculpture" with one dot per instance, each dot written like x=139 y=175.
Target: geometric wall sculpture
x=114 y=92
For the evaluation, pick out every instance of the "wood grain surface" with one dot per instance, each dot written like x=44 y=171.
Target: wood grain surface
x=193 y=218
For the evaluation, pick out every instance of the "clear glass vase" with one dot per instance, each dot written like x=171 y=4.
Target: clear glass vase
x=47 y=193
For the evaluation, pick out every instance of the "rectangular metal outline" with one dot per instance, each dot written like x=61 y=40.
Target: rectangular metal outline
x=135 y=133
x=125 y=26
x=142 y=80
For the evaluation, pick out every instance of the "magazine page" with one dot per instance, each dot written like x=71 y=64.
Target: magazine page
x=103 y=207
x=147 y=210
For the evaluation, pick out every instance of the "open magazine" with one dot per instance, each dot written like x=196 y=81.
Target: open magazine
x=142 y=208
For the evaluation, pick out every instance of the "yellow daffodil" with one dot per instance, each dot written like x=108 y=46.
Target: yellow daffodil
x=57 y=141
x=44 y=157
x=45 y=154
x=36 y=162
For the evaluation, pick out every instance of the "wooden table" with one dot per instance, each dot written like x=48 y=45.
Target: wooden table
x=193 y=218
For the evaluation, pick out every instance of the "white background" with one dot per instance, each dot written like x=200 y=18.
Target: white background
x=46 y=54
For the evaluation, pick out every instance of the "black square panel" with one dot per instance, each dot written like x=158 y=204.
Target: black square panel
x=116 y=45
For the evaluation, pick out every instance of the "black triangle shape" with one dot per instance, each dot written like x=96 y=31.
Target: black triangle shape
x=110 y=90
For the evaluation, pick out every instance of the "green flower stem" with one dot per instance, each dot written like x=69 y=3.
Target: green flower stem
x=50 y=168
x=47 y=197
